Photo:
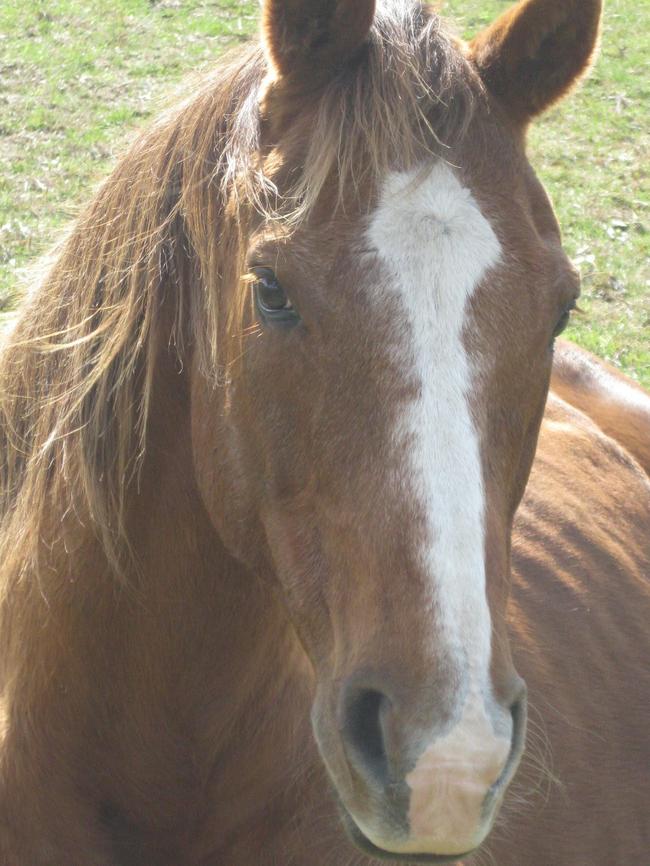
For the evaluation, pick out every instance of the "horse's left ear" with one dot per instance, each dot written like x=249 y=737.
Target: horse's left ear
x=306 y=41
x=535 y=52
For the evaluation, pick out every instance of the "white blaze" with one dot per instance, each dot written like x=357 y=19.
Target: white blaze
x=436 y=245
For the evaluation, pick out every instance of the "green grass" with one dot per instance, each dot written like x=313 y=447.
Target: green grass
x=78 y=76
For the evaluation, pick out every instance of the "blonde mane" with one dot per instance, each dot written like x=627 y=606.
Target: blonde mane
x=166 y=232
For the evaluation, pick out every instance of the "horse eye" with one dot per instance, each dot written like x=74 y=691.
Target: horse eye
x=271 y=300
x=563 y=321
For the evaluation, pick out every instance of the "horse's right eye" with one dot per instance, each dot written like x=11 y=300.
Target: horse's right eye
x=271 y=300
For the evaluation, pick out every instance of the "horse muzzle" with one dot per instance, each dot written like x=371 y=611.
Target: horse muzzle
x=413 y=791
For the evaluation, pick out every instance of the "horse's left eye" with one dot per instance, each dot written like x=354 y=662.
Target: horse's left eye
x=563 y=321
x=271 y=300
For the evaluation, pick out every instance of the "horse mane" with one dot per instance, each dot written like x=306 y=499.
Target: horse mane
x=165 y=232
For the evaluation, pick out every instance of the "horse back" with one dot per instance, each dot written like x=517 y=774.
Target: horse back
x=619 y=406
x=579 y=617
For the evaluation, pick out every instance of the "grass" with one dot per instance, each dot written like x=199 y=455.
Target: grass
x=78 y=76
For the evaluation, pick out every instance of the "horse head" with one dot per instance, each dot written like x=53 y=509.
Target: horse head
x=366 y=453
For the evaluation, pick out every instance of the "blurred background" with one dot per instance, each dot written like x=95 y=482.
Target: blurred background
x=78 y=77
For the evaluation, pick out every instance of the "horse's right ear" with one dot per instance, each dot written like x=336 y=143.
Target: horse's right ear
x=308 y=41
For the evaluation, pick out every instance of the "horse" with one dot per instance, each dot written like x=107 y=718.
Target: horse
x=281 y=583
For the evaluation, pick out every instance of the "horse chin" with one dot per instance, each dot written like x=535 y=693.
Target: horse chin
x=364 y=844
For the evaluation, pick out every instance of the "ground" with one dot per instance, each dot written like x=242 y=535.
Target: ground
x=78 y=76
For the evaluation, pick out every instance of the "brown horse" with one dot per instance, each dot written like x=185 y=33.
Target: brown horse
x=265 y=425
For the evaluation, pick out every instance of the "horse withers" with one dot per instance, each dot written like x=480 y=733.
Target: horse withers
x=265 y=425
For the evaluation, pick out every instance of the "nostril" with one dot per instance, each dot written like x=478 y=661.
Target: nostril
x=363 y=731
x=518 y=712
x=519 y=715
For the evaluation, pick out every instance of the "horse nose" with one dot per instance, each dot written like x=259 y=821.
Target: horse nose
x=365 y=715
x=376 y=736
x=452 y=768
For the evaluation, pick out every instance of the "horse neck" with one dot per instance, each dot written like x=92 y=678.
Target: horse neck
x=230 y=616
x=191 y=655
x=215 y=634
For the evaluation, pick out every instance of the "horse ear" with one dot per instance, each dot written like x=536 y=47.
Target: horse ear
x=306 y=41
x=535 y=52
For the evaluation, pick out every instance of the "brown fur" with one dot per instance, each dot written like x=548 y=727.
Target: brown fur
x=618 y=405
x=536 y=51
x=194 y=531
x=323 y=34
